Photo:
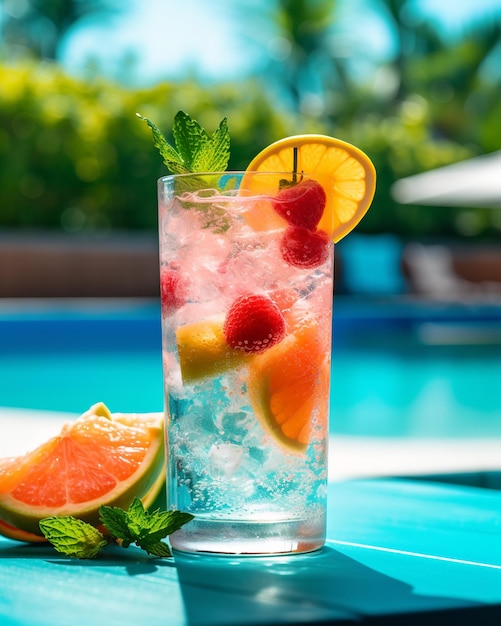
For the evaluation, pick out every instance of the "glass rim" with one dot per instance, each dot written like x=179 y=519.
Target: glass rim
x=167 y=177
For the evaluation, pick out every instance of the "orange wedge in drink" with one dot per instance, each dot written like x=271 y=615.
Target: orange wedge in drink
x=346 y=173
x=288 y=388
x=99 y=459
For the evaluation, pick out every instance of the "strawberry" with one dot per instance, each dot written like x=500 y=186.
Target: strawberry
x=253 y=324
x=172 y=290
x=301 y=205
x=303 y=248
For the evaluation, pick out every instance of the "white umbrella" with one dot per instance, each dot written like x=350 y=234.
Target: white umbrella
x=473 y=183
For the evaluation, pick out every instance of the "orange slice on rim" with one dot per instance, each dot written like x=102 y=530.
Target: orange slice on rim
x=346 y=173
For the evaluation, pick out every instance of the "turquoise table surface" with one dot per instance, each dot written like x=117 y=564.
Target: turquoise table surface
x=400 y=551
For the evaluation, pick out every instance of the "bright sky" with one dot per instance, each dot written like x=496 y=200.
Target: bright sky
x=219 y=40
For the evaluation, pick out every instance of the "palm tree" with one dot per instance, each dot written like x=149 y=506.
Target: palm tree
x=37 y=27
x=447 y=74
x=302 y=59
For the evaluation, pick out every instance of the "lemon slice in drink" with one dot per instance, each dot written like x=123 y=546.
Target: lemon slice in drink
x=100 y=458
x=346 y=173
x=203 y=350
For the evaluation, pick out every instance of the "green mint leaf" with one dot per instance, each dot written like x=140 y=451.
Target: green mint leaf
x=155 y=525
x=214 y=155
x=195 y=150
x=137 y=525
x=137 y=519
x=160 y=524
x=115 y=520
x=168 y=522
x=156 y=548
x=171 y=158
x=72 y=536
x=189 y=138
x=79 y=539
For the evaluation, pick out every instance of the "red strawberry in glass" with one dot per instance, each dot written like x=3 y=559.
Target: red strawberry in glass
x=305 y=248
x=254 y=324
x=172 y=290
x=301 y=205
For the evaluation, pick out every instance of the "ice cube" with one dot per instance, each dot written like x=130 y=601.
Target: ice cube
x=225 y=459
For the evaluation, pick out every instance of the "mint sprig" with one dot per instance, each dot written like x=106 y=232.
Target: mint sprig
x=194 y=150
x=76 y=538
x=72 y=536
x=141 y=527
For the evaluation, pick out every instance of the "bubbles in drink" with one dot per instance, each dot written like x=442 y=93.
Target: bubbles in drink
x=243 y=447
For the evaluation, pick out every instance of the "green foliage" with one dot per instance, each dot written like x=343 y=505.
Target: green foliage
x=401 y=146
x=74 y=155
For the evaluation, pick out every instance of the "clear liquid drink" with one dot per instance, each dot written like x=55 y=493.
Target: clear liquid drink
x=247 y=287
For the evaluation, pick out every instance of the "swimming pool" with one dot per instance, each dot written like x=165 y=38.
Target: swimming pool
x=399 y=368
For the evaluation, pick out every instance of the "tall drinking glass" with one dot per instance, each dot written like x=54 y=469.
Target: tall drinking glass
x=246 y=291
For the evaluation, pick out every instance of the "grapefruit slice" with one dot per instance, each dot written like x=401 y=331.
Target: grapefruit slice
x=100 y=458
x=345 y=172
x=20 y=535
x=288 y=388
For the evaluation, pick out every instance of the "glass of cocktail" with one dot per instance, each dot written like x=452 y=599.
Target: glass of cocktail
x=246 y=269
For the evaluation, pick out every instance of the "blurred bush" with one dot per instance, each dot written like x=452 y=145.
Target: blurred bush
x=74 y=156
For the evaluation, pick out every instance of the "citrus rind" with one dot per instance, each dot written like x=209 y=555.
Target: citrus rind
x=295 y=427
x=19 y=535
x=20 y=520
x=346 y=173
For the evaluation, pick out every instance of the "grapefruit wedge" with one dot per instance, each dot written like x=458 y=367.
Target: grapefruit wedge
x=99 y=459
x=289 y=389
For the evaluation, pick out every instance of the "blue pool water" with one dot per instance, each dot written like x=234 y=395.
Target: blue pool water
x=398 y=369
x=69 y=358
